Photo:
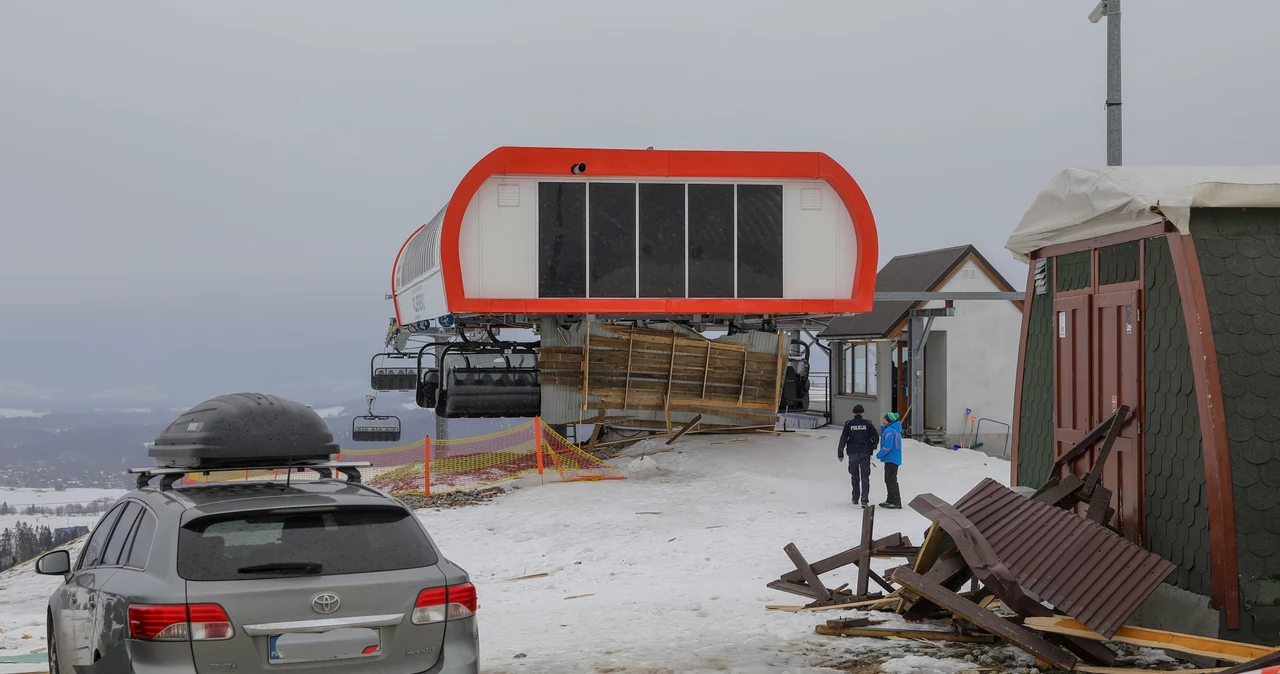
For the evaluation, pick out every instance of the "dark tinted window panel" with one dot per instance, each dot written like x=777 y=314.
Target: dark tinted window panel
x=1118 y=264
x=662 y=240
x=123 y=529
x=274 y=544
x=759 y=241
x=710 y=240
x=562 y=240
x=613 y=240
x=92 y=550
x=140 y=551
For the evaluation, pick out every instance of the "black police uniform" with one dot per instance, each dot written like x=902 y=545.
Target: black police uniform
x=861 y=437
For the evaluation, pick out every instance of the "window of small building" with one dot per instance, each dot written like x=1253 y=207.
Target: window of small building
x=858 y=368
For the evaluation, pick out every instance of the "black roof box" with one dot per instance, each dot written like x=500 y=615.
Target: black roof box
x=244 y=430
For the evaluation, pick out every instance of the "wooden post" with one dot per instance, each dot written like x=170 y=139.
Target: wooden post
x=864 y=560
x=586 y=366
x=537 y=439
x=626 y=392
x=426 y=466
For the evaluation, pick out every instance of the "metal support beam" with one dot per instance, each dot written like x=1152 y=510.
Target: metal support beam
x=922 y=296
x=918 y=327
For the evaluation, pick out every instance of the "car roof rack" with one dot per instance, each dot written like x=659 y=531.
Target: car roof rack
x=170 y=474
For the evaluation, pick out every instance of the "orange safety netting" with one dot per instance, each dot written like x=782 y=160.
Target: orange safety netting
x=458 y=464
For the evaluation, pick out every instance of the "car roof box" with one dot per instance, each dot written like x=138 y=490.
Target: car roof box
x=244 y=430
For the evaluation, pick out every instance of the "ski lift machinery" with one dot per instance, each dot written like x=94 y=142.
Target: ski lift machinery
x=497 y=256
x=375 y=427
x=476 y=379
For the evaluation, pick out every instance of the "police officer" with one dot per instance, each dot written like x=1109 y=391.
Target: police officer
x=861 y=438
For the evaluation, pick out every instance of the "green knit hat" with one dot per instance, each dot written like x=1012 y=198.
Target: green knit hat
x=891 y=416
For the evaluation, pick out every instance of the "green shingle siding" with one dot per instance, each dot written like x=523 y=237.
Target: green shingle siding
x=1035 y=427
x=1177 y=506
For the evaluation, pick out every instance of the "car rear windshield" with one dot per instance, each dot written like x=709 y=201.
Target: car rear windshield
x=299 y=542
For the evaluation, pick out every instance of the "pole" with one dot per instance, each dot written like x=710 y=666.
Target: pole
x=537 y=441
x=1114 y=126
x=426 y=466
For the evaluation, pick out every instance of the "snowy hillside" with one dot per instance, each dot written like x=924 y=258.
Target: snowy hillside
x=662 y=572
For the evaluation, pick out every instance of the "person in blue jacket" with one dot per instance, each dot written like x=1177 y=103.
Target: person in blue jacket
x=860 y=437
x=891 y=455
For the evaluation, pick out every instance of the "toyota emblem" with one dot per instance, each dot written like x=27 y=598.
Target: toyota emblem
x=326 y=602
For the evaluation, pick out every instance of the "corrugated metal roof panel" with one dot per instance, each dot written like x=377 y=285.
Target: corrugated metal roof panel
x=1082 y=568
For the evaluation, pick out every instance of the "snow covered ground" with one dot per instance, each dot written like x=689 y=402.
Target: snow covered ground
x=663 y=572
x=675 y=559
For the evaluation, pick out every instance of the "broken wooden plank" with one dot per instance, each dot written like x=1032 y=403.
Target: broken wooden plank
x=866 y=544
x=1268 y=660
x=845 y=558
x=1231 y=651
x=529 y=577
x=820 y=591
x=1088 y=669
x=903 y=632
x=685 y=429
x=984 y=618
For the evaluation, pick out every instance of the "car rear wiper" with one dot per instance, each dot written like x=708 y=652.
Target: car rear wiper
x=309 y=567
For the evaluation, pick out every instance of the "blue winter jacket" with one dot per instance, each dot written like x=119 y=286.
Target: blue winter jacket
x=891 y=443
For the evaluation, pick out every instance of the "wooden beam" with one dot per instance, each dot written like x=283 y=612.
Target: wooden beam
x=1095 y=473
x=626 y=392
x=686 y=428
x=1225 y=572
x=820 y=592
x=864 y=559
x=845 y=558
x=1231 y=651
x=907 y=632
x=987 y=620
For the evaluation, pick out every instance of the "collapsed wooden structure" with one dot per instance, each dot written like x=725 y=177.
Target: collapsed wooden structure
x=636 y=374
x=1015 y=551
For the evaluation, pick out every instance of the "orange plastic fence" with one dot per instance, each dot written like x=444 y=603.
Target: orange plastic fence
x=461 y=464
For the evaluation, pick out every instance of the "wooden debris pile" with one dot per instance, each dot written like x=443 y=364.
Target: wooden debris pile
x=1016 y=554
x=641 y=369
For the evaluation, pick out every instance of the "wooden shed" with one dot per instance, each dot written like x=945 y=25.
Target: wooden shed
x=1159 y=289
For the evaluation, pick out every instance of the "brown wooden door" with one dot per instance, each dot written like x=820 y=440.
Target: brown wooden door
x=1072 y=377
x=1117 y=350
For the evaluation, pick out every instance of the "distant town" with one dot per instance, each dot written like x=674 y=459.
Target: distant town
x=58 y=476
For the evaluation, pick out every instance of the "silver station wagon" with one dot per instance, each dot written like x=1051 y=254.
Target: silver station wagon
x=325 y=575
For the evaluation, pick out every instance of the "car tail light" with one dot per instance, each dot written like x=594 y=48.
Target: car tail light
x=179 y=622
x=439 y=604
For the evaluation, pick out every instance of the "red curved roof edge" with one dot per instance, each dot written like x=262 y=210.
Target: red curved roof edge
x=548 y=161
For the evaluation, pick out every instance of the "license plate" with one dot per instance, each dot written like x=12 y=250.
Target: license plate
x=338 y=644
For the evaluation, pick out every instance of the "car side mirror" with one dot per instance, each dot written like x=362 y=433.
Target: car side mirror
x=56 y=563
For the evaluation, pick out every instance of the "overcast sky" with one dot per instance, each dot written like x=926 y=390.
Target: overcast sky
x=204 y=197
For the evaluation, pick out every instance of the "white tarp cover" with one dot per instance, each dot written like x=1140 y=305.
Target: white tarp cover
x=1087 y=202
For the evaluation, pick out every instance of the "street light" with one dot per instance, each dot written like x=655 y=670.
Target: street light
x=1111 y=10
x=1098 y=12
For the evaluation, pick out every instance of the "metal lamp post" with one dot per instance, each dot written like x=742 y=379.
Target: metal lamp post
x=1111 y=10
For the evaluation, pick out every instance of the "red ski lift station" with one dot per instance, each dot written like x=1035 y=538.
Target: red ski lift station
x=617 y=262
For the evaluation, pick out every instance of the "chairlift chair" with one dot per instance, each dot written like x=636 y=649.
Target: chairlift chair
x=795 y=385
x=383 y=377
x=488 y=380
x=375 y=427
